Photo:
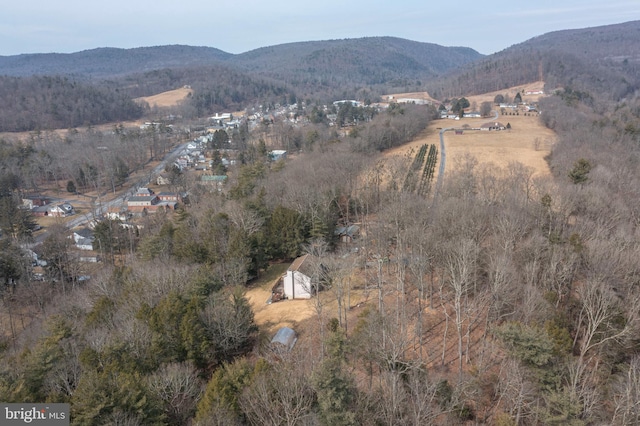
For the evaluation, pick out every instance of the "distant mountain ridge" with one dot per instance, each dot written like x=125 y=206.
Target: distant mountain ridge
x=394 y=56
x=106 y=62
x=376 y=59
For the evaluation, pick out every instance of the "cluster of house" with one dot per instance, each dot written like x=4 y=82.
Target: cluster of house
x=454 y=116
x=225 y=121
x=488 y=126
x=193 y=154
x=44 y=206
x=504 y=107
x=145 y=200
x=83 y=243
x=289 y=113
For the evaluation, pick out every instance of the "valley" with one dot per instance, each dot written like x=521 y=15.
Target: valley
x=265 y=237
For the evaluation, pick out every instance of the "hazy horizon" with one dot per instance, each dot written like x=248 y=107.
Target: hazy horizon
x=69 y=26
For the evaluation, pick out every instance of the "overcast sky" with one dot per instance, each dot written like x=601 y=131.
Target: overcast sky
x=65 y=26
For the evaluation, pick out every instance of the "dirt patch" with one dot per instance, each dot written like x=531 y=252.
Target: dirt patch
x=167 y=99
x=285 y=313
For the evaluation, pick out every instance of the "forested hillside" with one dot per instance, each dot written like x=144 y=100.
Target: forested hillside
x=43 y=102
x=321 y=71
x=366 y=62
x=216 y=88
x=512 y=300
x=110 y=62
x=602 y=60
x=36 y=103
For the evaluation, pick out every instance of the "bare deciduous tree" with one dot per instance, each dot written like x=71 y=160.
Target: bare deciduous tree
x=279 y=396
x=461 y=261
x=626 y=395
x=178 y=387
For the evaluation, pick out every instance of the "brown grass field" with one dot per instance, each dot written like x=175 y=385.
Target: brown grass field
x=535 y=86
x=527 y=142
x=511 y=92
x=167 y=99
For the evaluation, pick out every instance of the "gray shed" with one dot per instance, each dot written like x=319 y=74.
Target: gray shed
x=285 y=337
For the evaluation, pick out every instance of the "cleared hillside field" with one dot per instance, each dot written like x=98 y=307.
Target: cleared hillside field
x=528 y=142
x=166 y=99
x=511 y=92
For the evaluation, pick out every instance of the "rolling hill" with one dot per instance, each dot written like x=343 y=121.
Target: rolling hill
x=384 y=57
x=371 y=60
x=602 y=60
x=110 y=62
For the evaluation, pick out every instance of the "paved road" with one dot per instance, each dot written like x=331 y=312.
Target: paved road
x=102 y=207
x=443 y=159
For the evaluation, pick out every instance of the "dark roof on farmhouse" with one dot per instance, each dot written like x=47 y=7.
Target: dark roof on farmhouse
x=144 y=191
x=85 y=242
x=303 y=264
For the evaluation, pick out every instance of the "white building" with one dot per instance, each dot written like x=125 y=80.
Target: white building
x=278 y=154
x=297 y=281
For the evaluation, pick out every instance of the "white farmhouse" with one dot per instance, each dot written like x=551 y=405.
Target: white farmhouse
x=297 y=281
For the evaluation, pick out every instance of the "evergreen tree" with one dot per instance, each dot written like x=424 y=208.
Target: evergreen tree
x=580 y=171
x=286 y=232
x=71 y=187
x=335 y=389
